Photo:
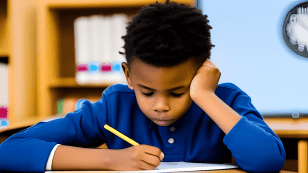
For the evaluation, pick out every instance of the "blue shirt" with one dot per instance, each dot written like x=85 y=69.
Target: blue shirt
x=192 y=138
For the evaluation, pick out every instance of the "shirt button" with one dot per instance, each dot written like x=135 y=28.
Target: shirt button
x=171 y=141
x=172 y=129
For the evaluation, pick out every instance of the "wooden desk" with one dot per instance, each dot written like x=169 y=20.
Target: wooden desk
x=293 y=128
x=218 y=171
x=283 y=127
x=235 y=171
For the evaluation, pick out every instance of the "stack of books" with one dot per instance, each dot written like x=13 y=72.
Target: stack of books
x=4 y=96
x=97 y=45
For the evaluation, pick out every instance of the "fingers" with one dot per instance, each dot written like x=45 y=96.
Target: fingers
x=209 y=63
x=154 y=151
x=141 y=157
x=149 y=162
x=152 y=157
x=138 y=157
x=161 y=156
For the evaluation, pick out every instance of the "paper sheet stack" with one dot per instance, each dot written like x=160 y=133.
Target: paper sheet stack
x=97 y=43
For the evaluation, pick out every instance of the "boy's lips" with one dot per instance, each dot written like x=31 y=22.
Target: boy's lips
x=162 y=122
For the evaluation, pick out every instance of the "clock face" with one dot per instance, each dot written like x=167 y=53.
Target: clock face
x=295 y=29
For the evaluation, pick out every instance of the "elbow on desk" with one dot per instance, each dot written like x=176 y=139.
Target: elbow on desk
x=20 y=154
x=272 y=162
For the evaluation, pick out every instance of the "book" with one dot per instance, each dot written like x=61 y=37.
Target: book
x=97 y=45
x=4 y=96
x=82 y=49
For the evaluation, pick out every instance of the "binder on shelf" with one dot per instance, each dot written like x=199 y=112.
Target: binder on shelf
x=3 y=95
x=95 y=23
x=97 y=43
x=82 y=49
x=119 y=29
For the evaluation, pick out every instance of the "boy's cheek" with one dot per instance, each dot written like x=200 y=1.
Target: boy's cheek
x=142 y=100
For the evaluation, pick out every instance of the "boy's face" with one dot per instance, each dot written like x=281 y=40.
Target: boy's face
x=162 y=92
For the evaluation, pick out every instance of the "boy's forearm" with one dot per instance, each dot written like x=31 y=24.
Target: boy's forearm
x=75 y=158
x=221 y=113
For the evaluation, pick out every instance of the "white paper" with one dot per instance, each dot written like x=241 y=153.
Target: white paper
x=188 y=166
x=172 y=167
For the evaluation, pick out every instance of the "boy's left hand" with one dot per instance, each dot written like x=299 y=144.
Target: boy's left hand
x=205 y=80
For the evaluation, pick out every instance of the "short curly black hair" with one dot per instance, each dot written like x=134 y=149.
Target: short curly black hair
x=167 y=34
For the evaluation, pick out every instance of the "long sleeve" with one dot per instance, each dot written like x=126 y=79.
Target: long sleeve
x=31 y=148
x=255 y=147
x=196 y=138
x=50 y=158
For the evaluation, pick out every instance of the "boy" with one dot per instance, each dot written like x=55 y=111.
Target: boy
x=172 y=105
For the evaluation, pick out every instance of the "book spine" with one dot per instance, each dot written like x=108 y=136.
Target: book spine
x=82 y=49
x=97 y=45
x=95 y=49
x=4 y=96
x=119 y=28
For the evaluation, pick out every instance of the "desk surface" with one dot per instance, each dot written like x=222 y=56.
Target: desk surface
x=289 y=127
x=217 y=171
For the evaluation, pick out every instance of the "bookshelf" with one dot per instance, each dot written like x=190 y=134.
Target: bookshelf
x=56 y=53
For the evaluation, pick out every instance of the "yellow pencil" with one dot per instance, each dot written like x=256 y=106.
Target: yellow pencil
x=120 y=135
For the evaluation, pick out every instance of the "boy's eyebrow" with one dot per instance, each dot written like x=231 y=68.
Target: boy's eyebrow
x=148 y=88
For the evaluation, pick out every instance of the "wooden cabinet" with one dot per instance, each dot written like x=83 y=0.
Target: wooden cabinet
x=56 y=54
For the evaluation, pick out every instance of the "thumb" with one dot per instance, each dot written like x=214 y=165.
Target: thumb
x=161 y=156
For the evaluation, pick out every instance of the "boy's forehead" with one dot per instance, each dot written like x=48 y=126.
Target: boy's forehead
x=162 y=77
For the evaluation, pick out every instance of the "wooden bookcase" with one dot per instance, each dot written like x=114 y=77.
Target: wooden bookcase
x=56 y=54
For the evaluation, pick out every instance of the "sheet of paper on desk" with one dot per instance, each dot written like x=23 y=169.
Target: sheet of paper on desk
x=187 y=166
x=171 y=167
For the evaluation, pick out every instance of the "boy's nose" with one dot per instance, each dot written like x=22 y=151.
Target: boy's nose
x=161 y=105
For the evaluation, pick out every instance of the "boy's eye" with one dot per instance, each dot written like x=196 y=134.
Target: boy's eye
x=148 y=94
x=172 y=94
x=176 y=95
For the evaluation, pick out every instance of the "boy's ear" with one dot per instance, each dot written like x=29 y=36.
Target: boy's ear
x=127 y=75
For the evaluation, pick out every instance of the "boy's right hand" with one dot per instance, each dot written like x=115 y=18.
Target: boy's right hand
x=138 y=157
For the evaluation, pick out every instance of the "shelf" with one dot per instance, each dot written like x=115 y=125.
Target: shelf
x=71 y=83
x=103 y=3
x=22 y=124
x=4 y=53
x=27 y=122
